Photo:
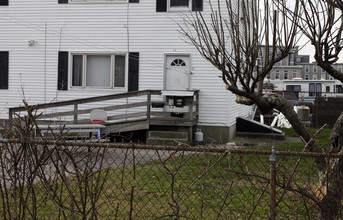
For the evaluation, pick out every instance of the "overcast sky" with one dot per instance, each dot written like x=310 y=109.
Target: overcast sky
x=307 y=47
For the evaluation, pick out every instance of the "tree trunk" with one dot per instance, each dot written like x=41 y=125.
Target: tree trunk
x=330 y=204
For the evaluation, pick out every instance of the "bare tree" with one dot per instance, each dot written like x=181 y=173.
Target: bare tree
x=336 y=3
x=232 y=40
x=322 y=23
x=20 y=164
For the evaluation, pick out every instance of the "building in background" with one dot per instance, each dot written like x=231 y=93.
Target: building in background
x=296 y=73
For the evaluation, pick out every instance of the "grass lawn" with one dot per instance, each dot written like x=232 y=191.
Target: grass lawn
x=191 y=186
x=322 y=139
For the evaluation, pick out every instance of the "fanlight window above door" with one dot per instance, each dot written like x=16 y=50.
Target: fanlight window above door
x=178 y=62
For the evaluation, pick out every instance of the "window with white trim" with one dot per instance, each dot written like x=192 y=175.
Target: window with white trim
x=323 y=76
x=177 y=5
x=285 y=74
x=98 y=70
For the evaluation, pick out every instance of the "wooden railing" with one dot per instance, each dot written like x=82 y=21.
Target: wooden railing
x=122 y=107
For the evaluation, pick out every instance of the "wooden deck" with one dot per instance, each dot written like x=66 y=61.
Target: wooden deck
x=125 y=112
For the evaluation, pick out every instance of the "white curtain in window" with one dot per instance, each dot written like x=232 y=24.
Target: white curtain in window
x=98 y=70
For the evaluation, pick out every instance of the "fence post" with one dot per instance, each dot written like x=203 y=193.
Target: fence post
x=272 y=161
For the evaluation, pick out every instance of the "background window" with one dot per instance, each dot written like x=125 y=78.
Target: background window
x=339 y=88
x=277 y=74
x=315 y=89
x=312 y=89
x=294 y=74
x=296 y=88
x=285 y=74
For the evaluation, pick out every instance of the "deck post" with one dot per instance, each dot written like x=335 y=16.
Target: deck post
x=10 y=115
x=148 y=106
x=191 y=108
x=10 y=118
x=75 y=113
x=197 y=104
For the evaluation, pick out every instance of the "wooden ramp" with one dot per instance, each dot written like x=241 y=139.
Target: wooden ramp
x=130 y=111
x=126 y=126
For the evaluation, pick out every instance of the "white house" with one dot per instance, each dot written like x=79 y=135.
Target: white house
x=56 y=50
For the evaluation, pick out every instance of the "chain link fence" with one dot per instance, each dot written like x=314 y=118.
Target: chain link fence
x=85 y=180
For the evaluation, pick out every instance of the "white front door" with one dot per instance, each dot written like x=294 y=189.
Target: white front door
x=177 y=74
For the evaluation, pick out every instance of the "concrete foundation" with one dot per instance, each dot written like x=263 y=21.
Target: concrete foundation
x=218 y=134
